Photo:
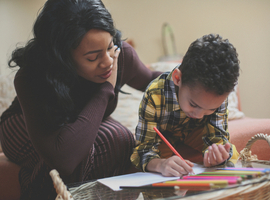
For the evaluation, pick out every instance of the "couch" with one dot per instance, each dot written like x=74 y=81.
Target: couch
x=241 y=128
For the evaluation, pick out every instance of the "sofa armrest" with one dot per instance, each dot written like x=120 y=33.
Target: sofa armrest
x=242 y=130
x=9 y=179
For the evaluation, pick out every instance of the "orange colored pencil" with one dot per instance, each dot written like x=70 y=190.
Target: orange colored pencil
x=168 y=143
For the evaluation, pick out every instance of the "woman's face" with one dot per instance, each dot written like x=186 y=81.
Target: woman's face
x=94 y=56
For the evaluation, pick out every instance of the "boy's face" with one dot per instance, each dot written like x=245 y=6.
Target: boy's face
x=195 y=101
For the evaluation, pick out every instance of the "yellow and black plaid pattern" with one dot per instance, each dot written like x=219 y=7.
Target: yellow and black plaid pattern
x=160 y=108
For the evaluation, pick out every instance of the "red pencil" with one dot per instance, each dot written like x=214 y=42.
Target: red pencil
x=237 y=178
x=183 y=184
x=168 y=143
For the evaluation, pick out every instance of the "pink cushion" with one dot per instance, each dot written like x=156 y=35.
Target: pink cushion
x=242 y=130
x=9 y=182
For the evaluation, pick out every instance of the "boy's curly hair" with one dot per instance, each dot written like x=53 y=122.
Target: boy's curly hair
x=211 y=62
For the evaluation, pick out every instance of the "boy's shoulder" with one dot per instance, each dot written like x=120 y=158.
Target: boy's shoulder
x=160 y=82
x=159 y=88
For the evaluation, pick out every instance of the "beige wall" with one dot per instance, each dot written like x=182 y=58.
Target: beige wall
x=244 y=22
x=16 y=21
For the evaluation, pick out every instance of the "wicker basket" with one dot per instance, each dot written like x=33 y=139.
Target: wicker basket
x=247 y=157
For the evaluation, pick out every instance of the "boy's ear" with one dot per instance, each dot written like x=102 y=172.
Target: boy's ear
x=176 y=76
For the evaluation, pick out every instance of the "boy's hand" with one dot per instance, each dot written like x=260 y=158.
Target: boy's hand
x=216 y=154
x=173 y=166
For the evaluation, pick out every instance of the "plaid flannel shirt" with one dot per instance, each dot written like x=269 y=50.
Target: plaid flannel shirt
x=160 y=108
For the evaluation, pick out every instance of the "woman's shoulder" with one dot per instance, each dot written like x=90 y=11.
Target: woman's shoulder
x=128 y=51
x=22 y=74
x=27 y=75
x=126 y=45
x=28 y=82
x=21 y=78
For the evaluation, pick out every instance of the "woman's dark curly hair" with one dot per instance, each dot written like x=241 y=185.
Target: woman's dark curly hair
x=211 y=62
x=59 y=28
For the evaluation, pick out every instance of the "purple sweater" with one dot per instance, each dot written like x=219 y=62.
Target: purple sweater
x=66 y=147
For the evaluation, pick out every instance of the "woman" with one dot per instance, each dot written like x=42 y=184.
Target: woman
x=67 y=85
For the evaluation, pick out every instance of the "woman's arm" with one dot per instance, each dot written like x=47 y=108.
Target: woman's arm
x=66 y=147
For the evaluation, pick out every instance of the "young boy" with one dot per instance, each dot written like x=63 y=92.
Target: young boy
x=189 y=105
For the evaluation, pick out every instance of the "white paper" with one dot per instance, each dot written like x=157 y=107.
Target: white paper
x=197 y=168
x=143 y=178
x=134 y=179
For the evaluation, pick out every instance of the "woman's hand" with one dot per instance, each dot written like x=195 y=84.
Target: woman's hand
x=173 y=166
x=216 y=154
x=112 y=79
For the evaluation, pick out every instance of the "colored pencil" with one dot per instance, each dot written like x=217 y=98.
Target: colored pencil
x=229 y=173
x=264 y=170
x=245 y=177
x=229 y=181
x=238 y=179
x=239 y=172
x=198 y=188
x=168 y=143
x=183 y=184
x=215 y=182
x=150 y=187
x=215 y=177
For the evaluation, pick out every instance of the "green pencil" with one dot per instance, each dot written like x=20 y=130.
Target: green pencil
x=245 y=177
x=227 y=172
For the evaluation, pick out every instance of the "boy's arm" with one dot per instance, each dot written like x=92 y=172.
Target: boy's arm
x=217 y=130
x=147 y=142
x=146 y=155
